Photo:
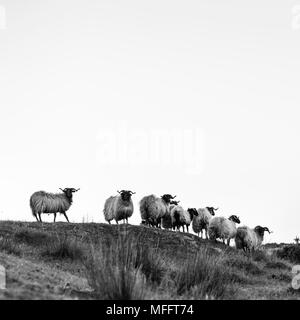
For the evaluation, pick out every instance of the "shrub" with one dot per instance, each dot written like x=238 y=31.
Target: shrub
x=290 y=252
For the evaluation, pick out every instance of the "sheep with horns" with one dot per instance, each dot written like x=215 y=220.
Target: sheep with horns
x=51 y=203
x=250 y=239
x=153 y=209
x=119 y=207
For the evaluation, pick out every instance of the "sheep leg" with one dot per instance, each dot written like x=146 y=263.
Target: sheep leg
x=37 y=219
x=66 y=216
x=54 y=217
x=127 y=220
x=228 y=242
x=40 y=217
x=187 y=228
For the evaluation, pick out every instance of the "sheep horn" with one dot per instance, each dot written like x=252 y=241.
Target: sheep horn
x=77 y=190
x=174 y=197
x=267 y=229
x=215 y=208
x=132 y=192
x=62 y=189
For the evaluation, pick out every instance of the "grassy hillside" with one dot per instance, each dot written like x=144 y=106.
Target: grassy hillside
x=99 y=261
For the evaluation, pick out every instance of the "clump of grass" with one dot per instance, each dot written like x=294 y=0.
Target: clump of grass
x=243 y=263
x=259 y=256
x=32 y=238
x=8 y=246
x=120 y=270
x=290 y=252
x=62 y=248
x=204 y=275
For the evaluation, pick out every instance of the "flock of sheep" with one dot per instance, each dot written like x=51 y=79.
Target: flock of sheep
x=158 y=212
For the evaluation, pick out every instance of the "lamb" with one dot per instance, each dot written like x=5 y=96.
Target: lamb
x=220 y=227
x=250 y=239
x=153 y=209
x=44 y=202
x=181 y=217
x=166 y=221
x=201 y=222
x=119 y=207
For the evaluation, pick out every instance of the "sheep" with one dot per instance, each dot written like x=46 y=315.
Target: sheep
x=119 y=207
x=44 y=202
x=181 y=217
x=250 y=239
x=166 y=221
x=220 y=227
x=153 y=209
x=201 y=221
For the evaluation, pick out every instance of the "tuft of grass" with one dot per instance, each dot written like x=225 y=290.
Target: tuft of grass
x=120 y=270
x=32 y=238
x=63 y=248
x=259 y=256
x=8 y=246
x=243 y=263
x=205 y=276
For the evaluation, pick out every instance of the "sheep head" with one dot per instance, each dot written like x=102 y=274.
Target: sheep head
x=267 y=229
x=261 y=230
x=235 y=219
x=193 y=212
x=212 y=210
x=69 y=191
x=126 y=194
x=167 y=198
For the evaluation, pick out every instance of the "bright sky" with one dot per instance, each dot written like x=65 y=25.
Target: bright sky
x=194 y=98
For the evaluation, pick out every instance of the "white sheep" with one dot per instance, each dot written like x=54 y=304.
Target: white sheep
x=119 y=207
x=182 y=218
x=45 y=202
x=201 y=222
x=153 y=209
x=166 y=221
x=220 y=227
x=250 y=239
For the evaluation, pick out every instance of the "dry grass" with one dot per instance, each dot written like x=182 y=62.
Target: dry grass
x=114 y=271
x=8 y=246
x=205 y=276
x=63 y=248
x=132 y=262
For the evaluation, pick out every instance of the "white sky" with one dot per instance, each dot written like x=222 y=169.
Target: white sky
x=85 y=85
